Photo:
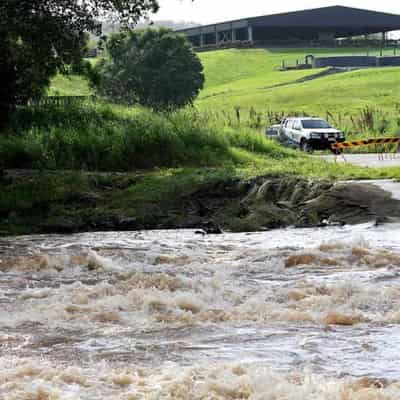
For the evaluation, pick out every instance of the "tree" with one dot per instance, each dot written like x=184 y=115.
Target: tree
x=156 y=68
x=40 y=37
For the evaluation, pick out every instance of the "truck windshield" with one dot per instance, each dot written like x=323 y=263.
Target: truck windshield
x=315 y=124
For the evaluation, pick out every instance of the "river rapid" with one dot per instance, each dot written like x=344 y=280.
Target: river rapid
x=281 y=315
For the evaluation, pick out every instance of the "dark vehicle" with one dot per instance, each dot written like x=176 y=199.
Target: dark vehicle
x=273 y=131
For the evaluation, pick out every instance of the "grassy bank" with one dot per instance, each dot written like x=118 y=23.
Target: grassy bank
x=103 y=137
x=154 y=163
x=71 y=201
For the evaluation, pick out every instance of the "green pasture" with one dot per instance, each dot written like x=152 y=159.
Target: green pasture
x=69 y=85
x=246 y=78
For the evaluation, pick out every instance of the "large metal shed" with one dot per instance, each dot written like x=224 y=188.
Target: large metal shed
x=315 y=25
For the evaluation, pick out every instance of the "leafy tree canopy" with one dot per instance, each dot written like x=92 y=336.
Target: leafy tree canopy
x=39 y=37
x=156 y=68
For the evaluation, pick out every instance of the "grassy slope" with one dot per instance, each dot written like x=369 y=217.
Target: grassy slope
x=243 y=78
x=104 y=137
x=233 y=70
x=69 y=85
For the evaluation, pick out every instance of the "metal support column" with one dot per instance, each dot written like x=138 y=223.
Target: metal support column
x=250 y=33
x=383 y=43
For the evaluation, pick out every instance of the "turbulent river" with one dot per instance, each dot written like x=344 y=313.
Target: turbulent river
x=309 y=314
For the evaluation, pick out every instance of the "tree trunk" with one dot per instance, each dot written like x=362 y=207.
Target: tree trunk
x=4 y=116
x=8 y=84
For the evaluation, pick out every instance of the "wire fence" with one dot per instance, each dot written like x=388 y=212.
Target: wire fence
x=60 y=101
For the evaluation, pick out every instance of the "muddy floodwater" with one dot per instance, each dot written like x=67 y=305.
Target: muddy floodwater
x=309 y=314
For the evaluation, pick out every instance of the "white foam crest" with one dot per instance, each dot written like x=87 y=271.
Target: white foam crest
x=96 y=261
x=187 y=300
x=38 y=379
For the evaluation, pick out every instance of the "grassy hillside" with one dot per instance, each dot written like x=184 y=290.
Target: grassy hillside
x=69 y=85
x=253 y=73
x=242 y=77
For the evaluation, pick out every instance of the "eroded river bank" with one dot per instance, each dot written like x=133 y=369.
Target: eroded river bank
x=285 y=314
x=33 y=202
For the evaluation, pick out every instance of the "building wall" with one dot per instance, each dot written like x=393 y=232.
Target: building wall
x=346 y=61
x=389 y=61
x=356 y=61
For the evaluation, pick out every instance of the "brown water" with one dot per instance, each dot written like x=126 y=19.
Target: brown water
x=283 y=315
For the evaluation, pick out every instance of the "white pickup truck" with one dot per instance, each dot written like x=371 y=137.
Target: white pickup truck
x=309 y=133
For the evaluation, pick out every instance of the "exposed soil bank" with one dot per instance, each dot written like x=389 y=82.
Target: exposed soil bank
x=275 y=202
x=62 y=203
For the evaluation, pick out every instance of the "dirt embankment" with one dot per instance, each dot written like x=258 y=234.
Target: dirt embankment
x=266 y=203
x=225 y=204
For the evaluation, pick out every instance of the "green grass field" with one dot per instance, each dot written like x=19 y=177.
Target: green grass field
x=69 y=85
x=245 y=78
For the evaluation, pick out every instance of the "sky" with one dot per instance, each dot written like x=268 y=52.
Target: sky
x=210 y=11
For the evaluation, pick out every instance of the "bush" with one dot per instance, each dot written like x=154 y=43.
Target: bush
x=153 y=68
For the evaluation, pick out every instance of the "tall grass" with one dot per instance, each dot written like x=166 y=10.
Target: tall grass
x=114 y=138
x=367 y=121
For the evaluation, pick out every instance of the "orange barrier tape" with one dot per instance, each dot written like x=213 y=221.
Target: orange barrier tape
x=368 y=142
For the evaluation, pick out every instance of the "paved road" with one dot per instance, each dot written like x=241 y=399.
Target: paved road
x=367 y=160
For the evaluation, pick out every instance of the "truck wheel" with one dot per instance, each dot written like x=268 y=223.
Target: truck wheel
x=306 y=147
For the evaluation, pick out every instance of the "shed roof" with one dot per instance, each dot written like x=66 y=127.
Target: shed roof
x=335 y=17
